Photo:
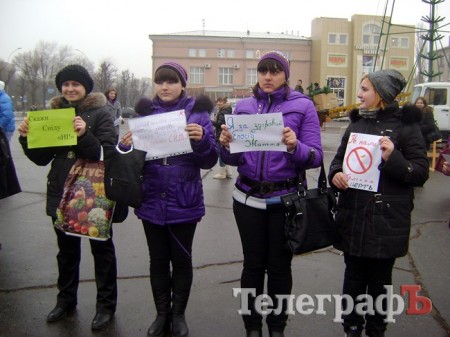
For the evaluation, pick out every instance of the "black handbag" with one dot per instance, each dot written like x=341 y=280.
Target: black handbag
x=123 y=175
x=310 y=213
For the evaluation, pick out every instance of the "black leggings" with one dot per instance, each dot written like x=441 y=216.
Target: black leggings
x=170 y=244
x=262 y=237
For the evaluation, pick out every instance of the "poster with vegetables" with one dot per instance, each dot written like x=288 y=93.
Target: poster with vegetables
x=84 y=209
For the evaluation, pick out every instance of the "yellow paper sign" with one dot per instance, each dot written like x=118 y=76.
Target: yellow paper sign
x=48 y=128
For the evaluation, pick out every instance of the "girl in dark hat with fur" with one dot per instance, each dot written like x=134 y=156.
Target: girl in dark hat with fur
x=375 y=226
x=94 y=128
x=172 y=198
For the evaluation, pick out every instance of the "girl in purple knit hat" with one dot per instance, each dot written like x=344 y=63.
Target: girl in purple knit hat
x=172 y=202
x=264 y=176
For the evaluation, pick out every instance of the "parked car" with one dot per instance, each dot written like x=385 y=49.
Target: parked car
x=128 y=113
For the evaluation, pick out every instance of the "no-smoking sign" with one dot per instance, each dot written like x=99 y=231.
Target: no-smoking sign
x=361 y=161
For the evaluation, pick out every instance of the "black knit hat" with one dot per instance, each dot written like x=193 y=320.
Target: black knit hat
x=388 y=83
x=74 y=72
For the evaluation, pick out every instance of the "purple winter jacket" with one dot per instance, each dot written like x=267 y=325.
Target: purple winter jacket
x=301 y=116
x=172 y=191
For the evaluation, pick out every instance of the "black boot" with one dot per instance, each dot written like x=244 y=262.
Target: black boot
x=180 y=296
x=161 y=288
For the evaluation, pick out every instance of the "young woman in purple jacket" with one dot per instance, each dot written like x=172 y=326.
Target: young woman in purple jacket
x=172 y=198
x=263 y=177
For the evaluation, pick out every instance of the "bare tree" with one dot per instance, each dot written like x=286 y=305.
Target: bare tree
x=131 y=89
x=105 y=76
x=38 y=68
x=35 y=71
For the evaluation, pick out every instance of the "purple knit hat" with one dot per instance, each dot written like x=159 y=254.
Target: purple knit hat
x=280 y=57
x=178 y=68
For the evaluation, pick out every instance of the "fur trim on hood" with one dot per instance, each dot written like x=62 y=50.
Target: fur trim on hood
x=91 y=101
x=203 y=103
x=408 y=113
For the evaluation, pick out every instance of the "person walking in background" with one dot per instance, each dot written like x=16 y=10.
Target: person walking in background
x=223 y=108
x=299 y=86
x=114 y=109
x=172 y=198
x=427 y=124
x=7 y=119
x=316 y=89
x=375 y=225
x=94 y=128
x=264 y=176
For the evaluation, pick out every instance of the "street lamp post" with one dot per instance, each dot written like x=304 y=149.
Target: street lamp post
x=11 y=71
x=10 y=54
x=81 y=52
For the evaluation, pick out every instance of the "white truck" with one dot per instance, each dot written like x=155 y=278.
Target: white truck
x=437 y=95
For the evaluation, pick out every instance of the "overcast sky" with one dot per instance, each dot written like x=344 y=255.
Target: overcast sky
x=119 y=30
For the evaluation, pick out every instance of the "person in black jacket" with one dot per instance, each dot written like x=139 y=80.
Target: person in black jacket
x=427 y=123
x=223 y=108
x=94 y=127
x=375 y=225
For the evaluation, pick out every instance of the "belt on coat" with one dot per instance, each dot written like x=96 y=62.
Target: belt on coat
x=264 y=187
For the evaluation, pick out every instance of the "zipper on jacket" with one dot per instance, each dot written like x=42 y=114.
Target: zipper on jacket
x=263 y=155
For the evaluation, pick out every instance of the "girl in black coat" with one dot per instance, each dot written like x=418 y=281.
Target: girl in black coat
x=427 y=123
x=94 y=127
x=375 y=226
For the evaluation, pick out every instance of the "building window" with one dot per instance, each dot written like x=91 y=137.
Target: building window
x=251 y=77
x=249 y=54
x=335 y=38
x=371 y=34
x=337 y=85
x=400 y=42
x=231 y=53
x=197 y=75
x=225 y=75
x=197 y=52
x=221 y=52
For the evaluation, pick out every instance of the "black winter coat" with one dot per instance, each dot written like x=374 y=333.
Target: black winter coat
x=226 y=109
x=9 y=184
x=100 y=131
x=377 y=225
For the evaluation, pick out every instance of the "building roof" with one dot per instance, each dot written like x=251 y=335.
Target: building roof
x=247 y=34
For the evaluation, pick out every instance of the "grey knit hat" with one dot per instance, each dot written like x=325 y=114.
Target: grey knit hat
x=388 y=83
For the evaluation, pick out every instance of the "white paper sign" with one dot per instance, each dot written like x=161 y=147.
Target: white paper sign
x=257 y=132
x=161 y=135
x=361 y=160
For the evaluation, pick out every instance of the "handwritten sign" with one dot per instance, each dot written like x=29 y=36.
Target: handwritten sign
x=48 y=128
x=257 y=132
x=161 y=135
x=361 y=160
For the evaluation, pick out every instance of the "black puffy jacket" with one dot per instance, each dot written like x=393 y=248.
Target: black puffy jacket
x=377 y=225
x=100 y=131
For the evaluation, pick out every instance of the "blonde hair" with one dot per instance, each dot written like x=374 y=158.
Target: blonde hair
x=379 y=102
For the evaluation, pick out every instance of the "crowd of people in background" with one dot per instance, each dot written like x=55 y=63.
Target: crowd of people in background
x=170 y=222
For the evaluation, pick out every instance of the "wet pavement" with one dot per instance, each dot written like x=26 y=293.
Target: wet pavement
x=28 y=266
